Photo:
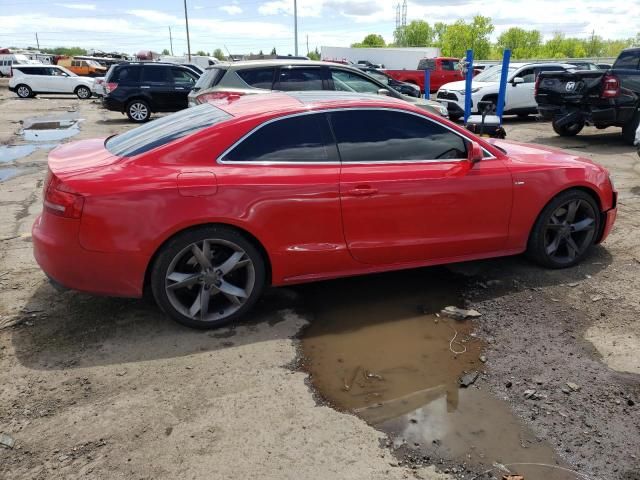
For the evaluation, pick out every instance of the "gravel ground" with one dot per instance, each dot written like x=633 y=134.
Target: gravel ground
x=109 y=388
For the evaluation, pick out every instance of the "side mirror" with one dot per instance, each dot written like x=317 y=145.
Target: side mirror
x=475 y=153
x=517 y=81
x=383 y=91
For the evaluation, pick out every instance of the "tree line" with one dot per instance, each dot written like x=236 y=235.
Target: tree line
x=454 y=39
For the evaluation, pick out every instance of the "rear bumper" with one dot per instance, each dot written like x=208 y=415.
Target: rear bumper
x=594 y=114
x=112 y=104
x=63 y=260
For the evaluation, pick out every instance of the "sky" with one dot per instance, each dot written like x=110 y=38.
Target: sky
x=243 y=26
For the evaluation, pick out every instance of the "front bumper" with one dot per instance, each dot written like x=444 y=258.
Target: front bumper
x=58 y=252
x=454 y=101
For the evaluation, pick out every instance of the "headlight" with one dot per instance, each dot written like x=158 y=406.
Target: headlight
x=443 y=111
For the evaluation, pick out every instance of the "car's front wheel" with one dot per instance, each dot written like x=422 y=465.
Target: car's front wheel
x=138 y=111
x=24 y=91
x=208 y=277
x=565 y=230
x=83 y=93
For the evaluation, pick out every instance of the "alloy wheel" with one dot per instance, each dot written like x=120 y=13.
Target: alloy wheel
x=138 y=111
x=84 y=93
x=210 y=280
x=23 y=91
x=570 y=231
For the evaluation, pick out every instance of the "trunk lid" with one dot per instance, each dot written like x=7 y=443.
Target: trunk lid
x=75 y=157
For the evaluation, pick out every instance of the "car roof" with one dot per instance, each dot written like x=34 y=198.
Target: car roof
x=276 y=63
x=292 y=102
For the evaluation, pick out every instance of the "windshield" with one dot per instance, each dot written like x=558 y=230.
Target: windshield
x=93 y=63
x=164 y=130
x=492 y=74
x=381 y=77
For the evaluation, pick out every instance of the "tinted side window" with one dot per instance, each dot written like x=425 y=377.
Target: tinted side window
x=182 y=76
x=628 y=60
x=128 y=74
x=448 y=65
x=299 y=79
x=352 y=82
x=156 y=74
x=258 y=77
x=379 y=135
x=527 y=75
x=304 y=138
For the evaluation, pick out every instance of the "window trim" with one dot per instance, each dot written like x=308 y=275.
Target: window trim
x=220 y=158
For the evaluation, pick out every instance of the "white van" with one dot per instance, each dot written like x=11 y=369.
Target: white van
x=9 y=59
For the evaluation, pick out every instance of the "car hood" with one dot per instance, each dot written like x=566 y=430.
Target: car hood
x=459 y=86
x=526 y=153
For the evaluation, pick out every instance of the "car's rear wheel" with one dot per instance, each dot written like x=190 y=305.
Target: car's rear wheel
x=24 y=91
x=565 y=230
x=83 y=93
x=208 y=277
x=568 y=130
x=138 y=111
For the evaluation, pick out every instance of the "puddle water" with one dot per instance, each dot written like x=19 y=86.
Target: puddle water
x=50 y=128
x=372 y=351
x=11 y=153
x=7 y=173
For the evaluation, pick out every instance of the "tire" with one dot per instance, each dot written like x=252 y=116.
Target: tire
x=629 y=130
x=24 y=91
x=138 y=111
x=565 y=230
x=228 y=269
x=570 y=130
x=83 y=93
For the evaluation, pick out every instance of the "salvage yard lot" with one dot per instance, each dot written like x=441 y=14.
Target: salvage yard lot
x=109 y=388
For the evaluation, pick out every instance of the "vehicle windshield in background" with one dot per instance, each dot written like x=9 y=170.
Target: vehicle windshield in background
x=380 y=77
x=492 y=74
x=164 y=130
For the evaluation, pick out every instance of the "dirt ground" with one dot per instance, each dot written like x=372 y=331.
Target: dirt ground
x=110 y=389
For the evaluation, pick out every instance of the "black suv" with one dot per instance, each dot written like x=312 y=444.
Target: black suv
x=140 y=88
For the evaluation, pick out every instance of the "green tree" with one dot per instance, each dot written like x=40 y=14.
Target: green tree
x=201 y=53
x=69 y=51
x=371 y=40
x=218 y=53
x=523 y=43
x=273 y=51
x=417 y=34
x=166 y=52
x=439 y=30
x=315 y=55
x=561 y=47
x=460 y=36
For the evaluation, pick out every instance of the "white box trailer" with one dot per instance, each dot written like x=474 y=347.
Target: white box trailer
x=391 y=58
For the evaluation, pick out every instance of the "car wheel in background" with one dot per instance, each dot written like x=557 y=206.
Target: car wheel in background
x=138 y=111
x=24 y=91
x=569 y=130
x=83 y=93
x=565 y=230
x=208 y=277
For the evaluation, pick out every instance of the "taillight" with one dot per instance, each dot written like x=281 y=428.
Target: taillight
x=60 y=199
x=610 y=86
x=207 y=97
x=110 y=87
x=536 y=86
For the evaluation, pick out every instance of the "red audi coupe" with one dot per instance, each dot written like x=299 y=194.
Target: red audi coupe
x=207 y=206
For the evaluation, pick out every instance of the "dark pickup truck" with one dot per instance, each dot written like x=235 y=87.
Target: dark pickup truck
x=603 y=98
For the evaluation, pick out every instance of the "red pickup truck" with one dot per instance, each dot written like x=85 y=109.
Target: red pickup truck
x=441 y=70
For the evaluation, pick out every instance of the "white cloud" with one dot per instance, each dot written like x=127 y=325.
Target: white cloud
x=77 y=6
x=231 y=9
x=155 y=16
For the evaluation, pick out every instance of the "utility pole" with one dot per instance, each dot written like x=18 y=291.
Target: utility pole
x=307 y=44
x=186 y=22
x=37 y=41
x=171 y=40
x=295 y=24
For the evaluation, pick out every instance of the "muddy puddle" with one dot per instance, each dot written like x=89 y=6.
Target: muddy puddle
x=7 y=173
x=376 y=348
x=51 y=128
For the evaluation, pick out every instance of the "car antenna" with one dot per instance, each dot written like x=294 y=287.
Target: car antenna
x=230 y=56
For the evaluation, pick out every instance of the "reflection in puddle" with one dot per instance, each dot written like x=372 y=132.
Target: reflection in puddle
x=7 y=173
x=50 y=128
x=370 y=350
x=11 y=153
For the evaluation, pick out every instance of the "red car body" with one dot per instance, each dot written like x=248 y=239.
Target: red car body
x=311 y=221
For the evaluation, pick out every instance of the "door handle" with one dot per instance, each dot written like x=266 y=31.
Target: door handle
x=362 y=191
x=179 y=88
x=144 y=86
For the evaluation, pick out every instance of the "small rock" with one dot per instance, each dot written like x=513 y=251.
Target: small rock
x=566 y=390
x=508 y=384
x=596 y=298
x=121 y=373
x=574 y=284
x=573 y=386
x=7 y=440
x=483 y=358
x=530 y=394
x=63 y=457
x=459 y=313
x=189 y=368
x=631 y=403
x=468 y=379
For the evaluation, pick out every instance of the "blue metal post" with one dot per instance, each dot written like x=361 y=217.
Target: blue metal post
x=467 y=86
x=427 y=83
x=506 y=58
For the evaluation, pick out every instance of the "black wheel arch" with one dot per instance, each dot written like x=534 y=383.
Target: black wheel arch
x=146 y=286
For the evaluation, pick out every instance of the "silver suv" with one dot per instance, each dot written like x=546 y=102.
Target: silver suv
x=260 y=76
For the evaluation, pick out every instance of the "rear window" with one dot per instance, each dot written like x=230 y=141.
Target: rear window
x=210 y=78
x=258 y=77
x=164 y=130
